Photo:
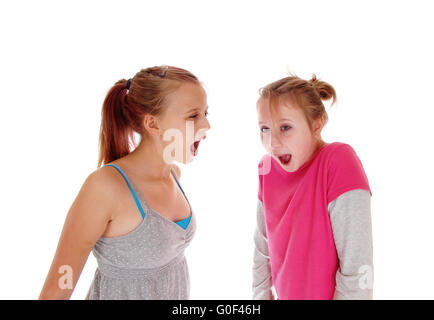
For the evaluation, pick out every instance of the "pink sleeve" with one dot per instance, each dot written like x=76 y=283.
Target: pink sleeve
x=260 y=165
x=345 y=172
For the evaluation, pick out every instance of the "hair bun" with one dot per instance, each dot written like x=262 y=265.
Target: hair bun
x=324 y=90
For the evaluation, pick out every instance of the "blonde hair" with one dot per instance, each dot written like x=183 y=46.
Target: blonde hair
x=124 y=107
x=304 y=94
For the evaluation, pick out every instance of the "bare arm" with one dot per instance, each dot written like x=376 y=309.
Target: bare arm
x=86 y=221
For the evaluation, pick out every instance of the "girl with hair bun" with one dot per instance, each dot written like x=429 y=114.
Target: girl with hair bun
x=313 y=238
x=132 y=212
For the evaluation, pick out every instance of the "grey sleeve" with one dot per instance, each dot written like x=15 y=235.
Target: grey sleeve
x=350 y=217
x=262 y=281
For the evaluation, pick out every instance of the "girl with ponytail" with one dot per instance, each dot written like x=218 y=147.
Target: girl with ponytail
x=132 y=212
x=313 y=238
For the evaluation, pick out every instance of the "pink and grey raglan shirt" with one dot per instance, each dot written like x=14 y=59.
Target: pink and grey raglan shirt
x=313 y=238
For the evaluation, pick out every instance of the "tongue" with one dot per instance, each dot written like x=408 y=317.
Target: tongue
x=285 y=158
x=194 y=146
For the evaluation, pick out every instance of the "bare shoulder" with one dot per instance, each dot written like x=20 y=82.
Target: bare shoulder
x=177 y=170
x=102 y=186
x=104 y=179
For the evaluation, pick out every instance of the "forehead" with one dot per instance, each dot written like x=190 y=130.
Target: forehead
x=278 y=109
x=187 y=96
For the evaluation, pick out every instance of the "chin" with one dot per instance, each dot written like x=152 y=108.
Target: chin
x=188 y=157
x=288 y=169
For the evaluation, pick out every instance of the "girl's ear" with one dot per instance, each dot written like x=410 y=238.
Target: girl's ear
x=317 y=126
x=150 y=122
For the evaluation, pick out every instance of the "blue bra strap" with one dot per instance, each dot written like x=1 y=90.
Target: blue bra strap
x=176 y=179
x=132 y=191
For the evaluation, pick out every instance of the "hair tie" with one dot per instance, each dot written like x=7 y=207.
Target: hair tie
x=128 y=84
x=163 y=73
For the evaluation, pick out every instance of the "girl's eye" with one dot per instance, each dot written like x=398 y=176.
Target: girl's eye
x=194 y=116
x=285 y=128
x=264 y=129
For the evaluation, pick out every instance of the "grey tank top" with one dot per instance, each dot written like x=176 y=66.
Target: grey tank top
x=148 y=263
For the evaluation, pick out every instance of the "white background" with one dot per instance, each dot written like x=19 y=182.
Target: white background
x=58 y=59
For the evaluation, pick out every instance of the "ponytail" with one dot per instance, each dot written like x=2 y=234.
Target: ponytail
x=115 y=132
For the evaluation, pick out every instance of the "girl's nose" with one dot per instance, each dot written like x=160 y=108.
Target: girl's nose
x=207 y=124
x=275 y=141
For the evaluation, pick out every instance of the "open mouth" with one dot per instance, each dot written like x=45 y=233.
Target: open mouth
x=285 y=158
x=195 y=146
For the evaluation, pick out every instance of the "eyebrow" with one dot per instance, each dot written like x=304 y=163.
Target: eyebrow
x=281 y=120
x=286 y=119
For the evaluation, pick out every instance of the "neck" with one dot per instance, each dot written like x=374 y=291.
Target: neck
x=146 y=161
x=320 y=144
